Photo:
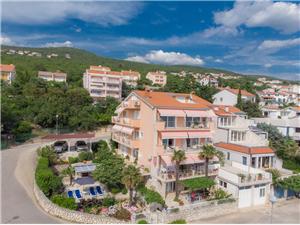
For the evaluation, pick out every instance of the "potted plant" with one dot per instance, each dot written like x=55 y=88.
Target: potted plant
x=259 y=176
x=242 y=176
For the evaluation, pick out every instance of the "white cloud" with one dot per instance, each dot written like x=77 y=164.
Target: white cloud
x=4 y=40
x=281 y=16
x=219 y=61
x=59 y=44
x=167 y=58
x=268 y=65
x=275 y=45
x=103 y=13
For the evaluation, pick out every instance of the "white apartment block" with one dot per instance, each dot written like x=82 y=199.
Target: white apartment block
x=158 y=77
x=53 y=76
x=101 y=82
x=249 y=185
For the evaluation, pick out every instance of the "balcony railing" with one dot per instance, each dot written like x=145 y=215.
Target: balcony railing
x=131 y=104
x=202 y=126
x=171 y=176
x=131 y=143
x=126 y=121
x=251 y=179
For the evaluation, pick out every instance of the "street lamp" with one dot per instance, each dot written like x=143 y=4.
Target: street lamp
x=272 y=200
x=56 y=124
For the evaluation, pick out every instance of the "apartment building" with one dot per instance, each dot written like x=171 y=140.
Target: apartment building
x=208 y=81
x=101 y=82
x=158 y=77
x=229 y=96
x=150 y=125
x=53 y=76
x=251 y=186
x=8 y=72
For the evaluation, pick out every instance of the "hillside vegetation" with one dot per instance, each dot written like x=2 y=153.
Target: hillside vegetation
x=81 y=60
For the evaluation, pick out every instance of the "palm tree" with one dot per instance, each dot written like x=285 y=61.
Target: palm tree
x=131 y=179
x=69 y=171
x=208 y=153
x=178 y=157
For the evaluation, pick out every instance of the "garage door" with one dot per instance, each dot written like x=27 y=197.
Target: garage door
x=245 y=197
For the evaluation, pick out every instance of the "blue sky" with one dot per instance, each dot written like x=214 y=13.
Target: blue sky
x=248 y=37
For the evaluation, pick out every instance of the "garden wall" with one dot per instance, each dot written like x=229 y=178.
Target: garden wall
x=193 y=212
x=70 y=215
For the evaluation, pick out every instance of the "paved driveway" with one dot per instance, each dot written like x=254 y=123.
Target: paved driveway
x=283 y=212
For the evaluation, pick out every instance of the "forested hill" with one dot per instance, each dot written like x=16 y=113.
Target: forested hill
x=81 y=59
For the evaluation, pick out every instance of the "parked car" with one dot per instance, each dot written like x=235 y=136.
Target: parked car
x=60 y=146
x=81 y=146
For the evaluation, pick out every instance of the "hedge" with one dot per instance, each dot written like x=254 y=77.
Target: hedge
x=64 y=202
x=151 y=196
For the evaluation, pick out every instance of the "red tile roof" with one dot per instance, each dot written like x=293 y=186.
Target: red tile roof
x=245 y=149
x=236 y=92
x=168 y=100
x=225 y=110
x=7 y=68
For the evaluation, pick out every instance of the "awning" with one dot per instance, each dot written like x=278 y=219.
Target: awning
x=199 y=113
x=200 y=134
x=171 y=112
x=179 y=134
x=117 y=128
x=127 y=130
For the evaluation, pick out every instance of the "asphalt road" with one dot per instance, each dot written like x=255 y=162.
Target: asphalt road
x=18 y=203
x=286 y=212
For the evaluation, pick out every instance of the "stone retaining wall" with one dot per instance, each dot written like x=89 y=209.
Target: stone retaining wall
x=70 y=215
x=192 y=212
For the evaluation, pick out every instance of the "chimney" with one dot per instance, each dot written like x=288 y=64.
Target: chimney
x=216 y=108
x=226 y=109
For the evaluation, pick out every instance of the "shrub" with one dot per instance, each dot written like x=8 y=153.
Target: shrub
x=151 y=196
x=73 y=160
x=122 y=214
x=142 y=222
x=124 y=191
x=291 y=164
x=115 y=190
x=85 y=156
x=48 y=182
x=62 y=201
x=109 y=201
x=180 y=221
x=49 y=153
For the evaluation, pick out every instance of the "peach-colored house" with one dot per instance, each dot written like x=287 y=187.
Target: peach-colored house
x=158 y=77
x=150 y=125
x=8 y=72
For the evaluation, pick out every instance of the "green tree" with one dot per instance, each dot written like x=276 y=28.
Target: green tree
x=252 y=109
x=178 y=157
x=49 y=153
x=208 y=152
x=239 y=100
x=132 y=177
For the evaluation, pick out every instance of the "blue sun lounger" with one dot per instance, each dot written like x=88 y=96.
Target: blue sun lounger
x=92 y=191
x=78 y=194
x=70 y=194
x=99 y=190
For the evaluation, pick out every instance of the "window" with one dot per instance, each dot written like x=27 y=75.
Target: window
x=170 y=120
x=228 y=155
x=297 y=129
x=167 y=143
x=221 y=99
x=221 y=183
x=225 y=185
x=262 y=192
x=135 y=153
x=192 y=121
x=244 y=160
x=192 y=142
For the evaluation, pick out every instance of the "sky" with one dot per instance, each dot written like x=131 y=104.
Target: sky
x=250 y=37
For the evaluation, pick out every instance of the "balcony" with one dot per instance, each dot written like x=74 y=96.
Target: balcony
x=126 y=121
x=160 y=126
x=127 y=141
x=131 y=104
x=187 y=174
